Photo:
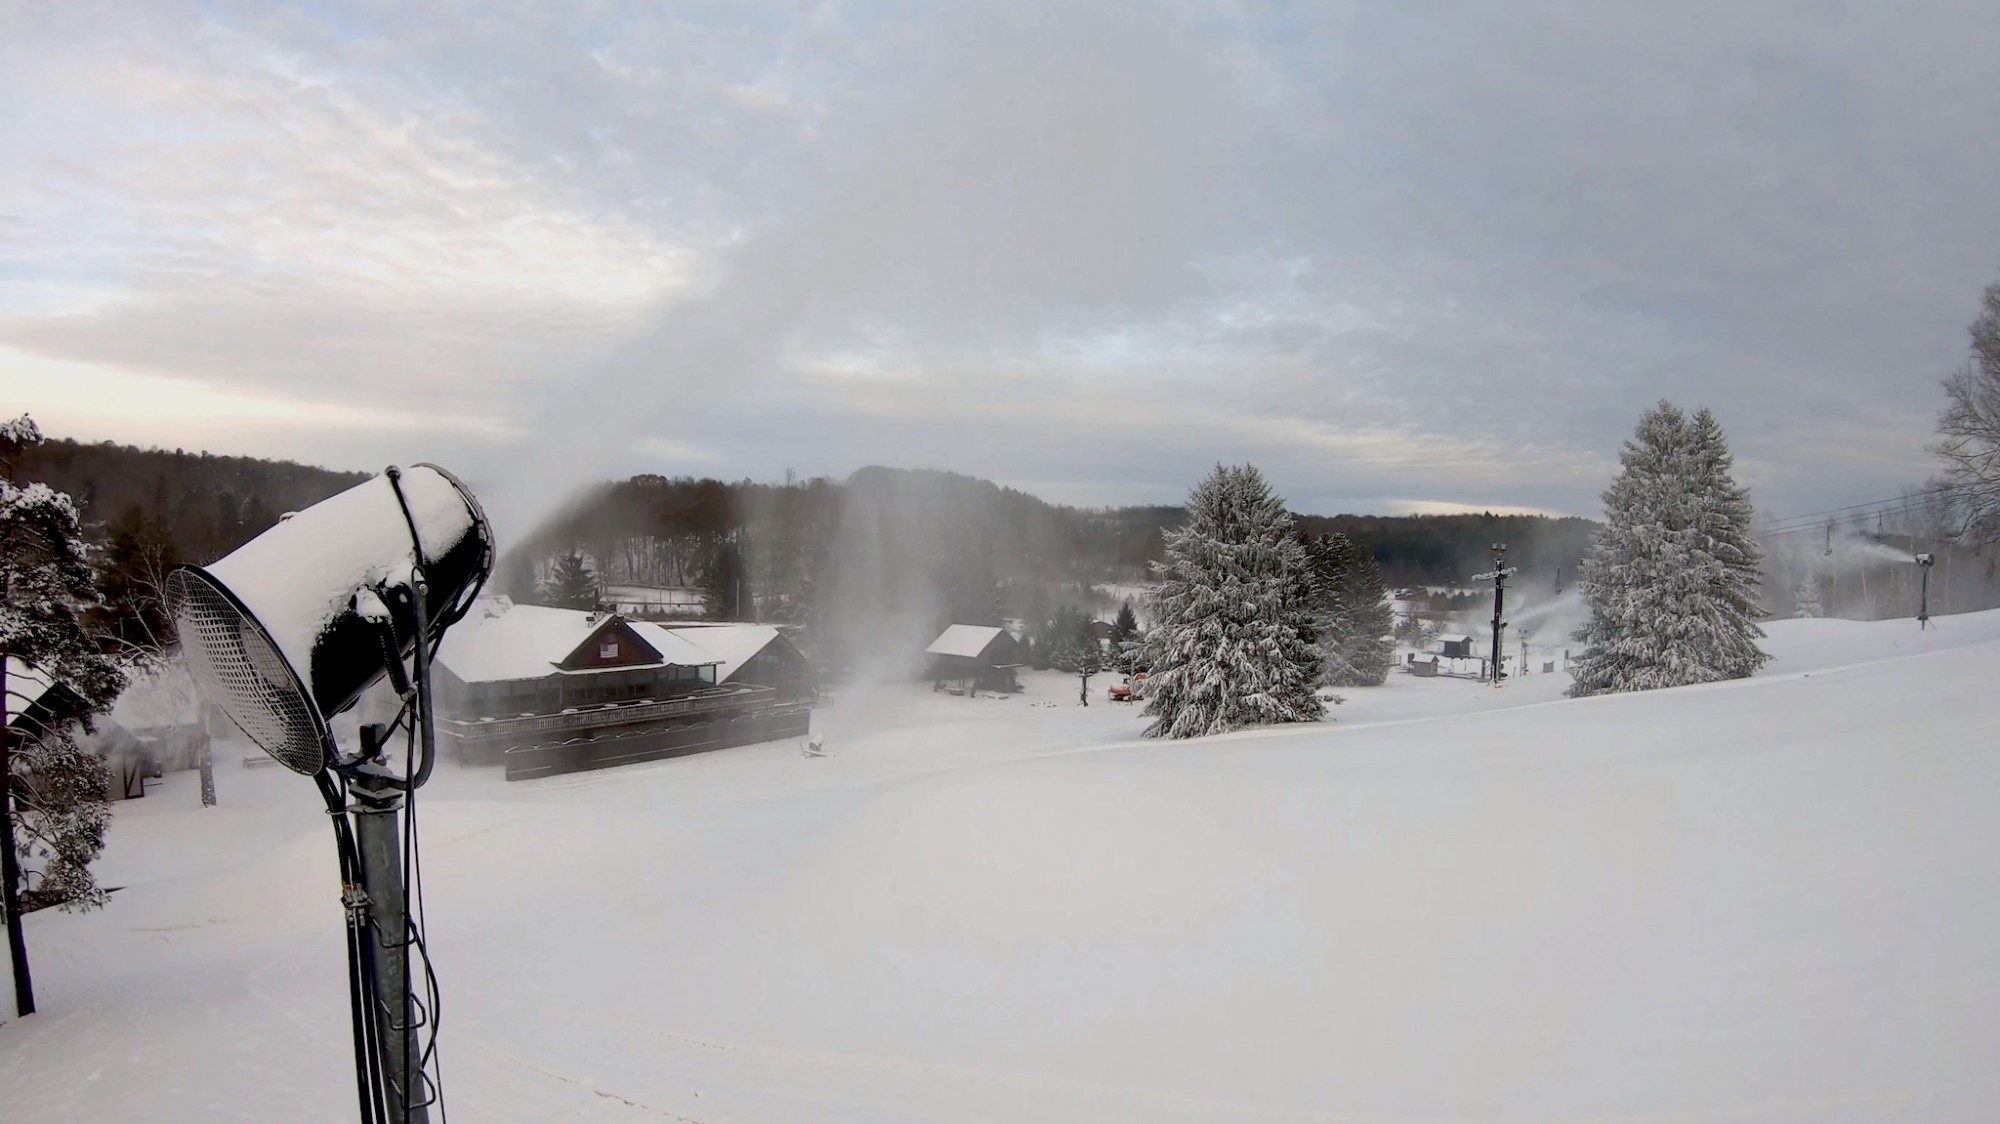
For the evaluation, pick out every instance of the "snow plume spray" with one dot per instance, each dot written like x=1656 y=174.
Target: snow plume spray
x=989 y=177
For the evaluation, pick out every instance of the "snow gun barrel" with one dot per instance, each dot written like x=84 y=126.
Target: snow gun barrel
x=289 y=629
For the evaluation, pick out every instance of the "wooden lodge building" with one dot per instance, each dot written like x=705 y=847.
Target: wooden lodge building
x=548 y=691
x=981 y=657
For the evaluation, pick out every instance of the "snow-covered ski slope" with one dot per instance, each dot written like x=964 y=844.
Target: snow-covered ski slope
x=1771 y=900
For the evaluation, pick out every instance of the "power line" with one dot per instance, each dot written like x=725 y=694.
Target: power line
x=1931 y=502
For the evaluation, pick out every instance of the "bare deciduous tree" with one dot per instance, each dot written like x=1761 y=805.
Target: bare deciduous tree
x=1969 y=427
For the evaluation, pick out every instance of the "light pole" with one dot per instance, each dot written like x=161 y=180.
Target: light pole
x=1498 y=576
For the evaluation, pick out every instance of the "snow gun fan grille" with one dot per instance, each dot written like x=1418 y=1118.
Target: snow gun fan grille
x=240 y=670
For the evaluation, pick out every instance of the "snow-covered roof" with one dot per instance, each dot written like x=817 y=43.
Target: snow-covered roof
x=1454 y=638
x=499 y=640
x=732 y=644
x=25 y=684
x=967 y=640
x=678 y=645
x=1424 y=657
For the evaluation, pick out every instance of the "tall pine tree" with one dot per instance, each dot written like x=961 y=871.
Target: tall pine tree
x=571 y=585
x=1806 y=602
x=1367 y=619
x=1671 y=580
x=1124 y=638
x=1230 y=643
x=1351 y=614
x=53 y=795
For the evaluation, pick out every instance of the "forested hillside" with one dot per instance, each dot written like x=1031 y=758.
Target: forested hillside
x=208 y=504
x=876 y=560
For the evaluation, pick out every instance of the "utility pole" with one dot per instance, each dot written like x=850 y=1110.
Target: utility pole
x=1498 y=576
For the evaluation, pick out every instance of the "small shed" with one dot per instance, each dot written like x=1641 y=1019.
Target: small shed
x=1457 y=646
x=983 y=656
x=1424 y=665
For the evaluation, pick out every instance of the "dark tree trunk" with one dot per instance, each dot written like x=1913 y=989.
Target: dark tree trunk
x=10 y=868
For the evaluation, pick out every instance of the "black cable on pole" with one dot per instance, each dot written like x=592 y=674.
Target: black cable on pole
x=422 y=728
x=359 y=1009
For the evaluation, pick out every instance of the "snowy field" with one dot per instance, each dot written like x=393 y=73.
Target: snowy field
x=1770 y=900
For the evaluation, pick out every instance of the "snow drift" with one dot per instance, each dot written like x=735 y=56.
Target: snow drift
x=1763 y=900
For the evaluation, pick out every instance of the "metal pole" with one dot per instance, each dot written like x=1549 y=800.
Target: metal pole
x=1499 y=600
x=375 y=808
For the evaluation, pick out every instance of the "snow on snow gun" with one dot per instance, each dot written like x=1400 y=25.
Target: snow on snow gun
x=289 y=630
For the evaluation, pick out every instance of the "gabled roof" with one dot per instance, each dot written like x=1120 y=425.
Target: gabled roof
x=499 y=641
x=26 y=684
x=731 y=645
x=686 y=646
x=969 y=641
x=1454 y=638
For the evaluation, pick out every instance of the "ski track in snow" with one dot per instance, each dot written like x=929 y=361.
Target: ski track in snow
x=1758 y=901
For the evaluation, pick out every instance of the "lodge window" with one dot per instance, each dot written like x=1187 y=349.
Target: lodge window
x=608 y=650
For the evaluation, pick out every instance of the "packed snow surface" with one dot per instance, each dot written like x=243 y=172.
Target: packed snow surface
x=1769 y=900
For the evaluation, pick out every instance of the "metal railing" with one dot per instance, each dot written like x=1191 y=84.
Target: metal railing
x=598 y=715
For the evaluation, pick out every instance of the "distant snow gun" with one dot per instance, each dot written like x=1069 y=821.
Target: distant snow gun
x=1924 y=593
x=289 y=630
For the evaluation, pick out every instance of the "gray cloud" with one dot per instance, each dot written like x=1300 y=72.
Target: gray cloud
x=1392 y=253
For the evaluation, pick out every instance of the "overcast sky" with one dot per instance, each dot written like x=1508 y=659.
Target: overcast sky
x=1404 y=256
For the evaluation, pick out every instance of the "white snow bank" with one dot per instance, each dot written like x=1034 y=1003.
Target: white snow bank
x=1755 y=901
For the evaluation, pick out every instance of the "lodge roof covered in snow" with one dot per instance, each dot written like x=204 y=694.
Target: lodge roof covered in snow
x=499 y=640
x=967 y=641
x=732 y=645
x=26 y=684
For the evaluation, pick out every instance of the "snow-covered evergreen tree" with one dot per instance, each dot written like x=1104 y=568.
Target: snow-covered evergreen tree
x=1806 y=603
x=1726 y=516
x=54 y=794
x=1366 y=622
x=1229 y=646
x=1329 y=561
x=571 y=585
x=1671 y=580
x=1351 y=616
x=1124 y=636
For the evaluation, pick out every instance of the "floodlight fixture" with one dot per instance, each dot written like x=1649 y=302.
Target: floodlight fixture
x=288 y=631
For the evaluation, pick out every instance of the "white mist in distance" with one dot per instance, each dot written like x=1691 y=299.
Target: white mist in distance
x=960 y=202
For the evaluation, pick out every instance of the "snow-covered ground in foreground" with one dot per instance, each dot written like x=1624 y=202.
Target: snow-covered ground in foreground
x=1770 y=900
